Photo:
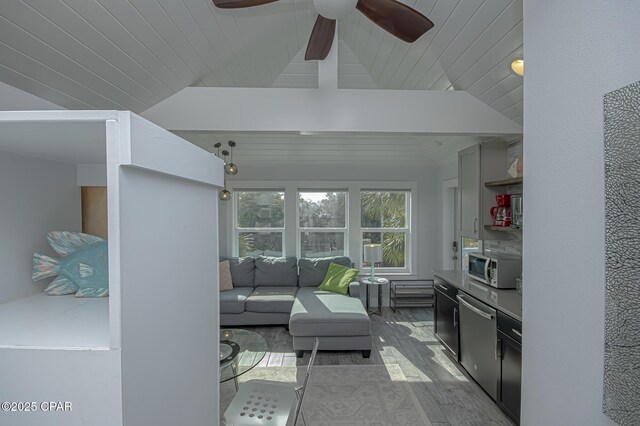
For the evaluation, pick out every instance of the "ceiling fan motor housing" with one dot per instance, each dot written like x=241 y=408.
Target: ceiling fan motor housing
x=335 y=9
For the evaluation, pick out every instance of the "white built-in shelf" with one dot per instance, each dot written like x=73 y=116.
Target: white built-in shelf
x=502 y=228
x=504 y=182
x=55 y=322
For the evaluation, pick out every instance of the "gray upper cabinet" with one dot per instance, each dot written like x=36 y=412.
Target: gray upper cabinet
x=476 y=166
x=469 y=186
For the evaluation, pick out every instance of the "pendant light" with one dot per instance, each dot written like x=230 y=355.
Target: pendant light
x=224 y=195
x=230 y=168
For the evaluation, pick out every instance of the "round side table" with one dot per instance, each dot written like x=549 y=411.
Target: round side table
x=379 y=282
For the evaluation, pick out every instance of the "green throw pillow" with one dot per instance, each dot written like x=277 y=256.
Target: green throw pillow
x=338 y=278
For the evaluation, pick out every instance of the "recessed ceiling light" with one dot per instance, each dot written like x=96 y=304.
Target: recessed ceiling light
x=517 y=67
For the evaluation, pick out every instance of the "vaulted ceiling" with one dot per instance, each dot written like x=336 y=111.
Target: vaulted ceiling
x=339 y=148
x=131 y=54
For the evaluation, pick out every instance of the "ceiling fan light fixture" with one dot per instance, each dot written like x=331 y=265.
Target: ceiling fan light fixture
x=517 y=67
x=335 y=9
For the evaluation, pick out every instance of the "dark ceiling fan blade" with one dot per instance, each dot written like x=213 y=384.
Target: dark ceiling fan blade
x=237 y=4
x=397 y=18
x=321 y=39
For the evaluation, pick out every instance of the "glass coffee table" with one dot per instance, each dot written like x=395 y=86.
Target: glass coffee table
x=240 y=351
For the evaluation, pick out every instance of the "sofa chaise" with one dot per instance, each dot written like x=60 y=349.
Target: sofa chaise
x=284 y=291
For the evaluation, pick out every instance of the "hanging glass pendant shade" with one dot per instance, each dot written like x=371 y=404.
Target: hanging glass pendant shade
x=230 y=168
x=224 y=195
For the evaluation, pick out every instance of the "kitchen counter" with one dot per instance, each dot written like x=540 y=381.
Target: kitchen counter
x=507 y=301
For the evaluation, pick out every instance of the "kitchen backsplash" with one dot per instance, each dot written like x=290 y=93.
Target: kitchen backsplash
x=511 y=247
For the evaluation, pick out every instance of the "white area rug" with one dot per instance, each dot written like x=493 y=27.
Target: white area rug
x=340 y=395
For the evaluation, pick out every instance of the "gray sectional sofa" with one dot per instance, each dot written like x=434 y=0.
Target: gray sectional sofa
x=284 y=291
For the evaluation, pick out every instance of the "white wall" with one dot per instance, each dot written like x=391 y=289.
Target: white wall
x=429 y=205
x=36 y=196
x=576 y=51
x=12 y=99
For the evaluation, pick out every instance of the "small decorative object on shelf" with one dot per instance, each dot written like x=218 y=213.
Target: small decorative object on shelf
x=411 y=293
x=515 y=170
x=83 y=268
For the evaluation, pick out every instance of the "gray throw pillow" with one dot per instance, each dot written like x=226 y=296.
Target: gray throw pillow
x=276 y=271
x=242 y=270
x=312 y=271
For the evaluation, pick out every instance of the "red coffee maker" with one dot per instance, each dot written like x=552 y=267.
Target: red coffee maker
x=501 y=213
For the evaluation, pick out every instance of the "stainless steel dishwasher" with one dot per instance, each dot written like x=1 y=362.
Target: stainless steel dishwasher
x=479 y=342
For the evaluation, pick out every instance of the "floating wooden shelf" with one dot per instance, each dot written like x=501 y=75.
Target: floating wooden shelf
x=504 y=182
x=501 y=228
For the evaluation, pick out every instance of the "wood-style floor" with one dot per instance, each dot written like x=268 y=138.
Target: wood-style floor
x=447 y=393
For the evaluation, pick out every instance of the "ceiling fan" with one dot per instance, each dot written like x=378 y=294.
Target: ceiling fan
x=394 y=17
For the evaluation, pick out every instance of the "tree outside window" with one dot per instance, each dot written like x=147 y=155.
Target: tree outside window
x=385 y=221
x=259 y=222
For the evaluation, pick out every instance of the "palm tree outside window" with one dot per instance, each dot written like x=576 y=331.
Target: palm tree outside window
x=385 y=220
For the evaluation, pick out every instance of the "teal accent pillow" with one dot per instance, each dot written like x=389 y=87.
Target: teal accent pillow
x=338 y=278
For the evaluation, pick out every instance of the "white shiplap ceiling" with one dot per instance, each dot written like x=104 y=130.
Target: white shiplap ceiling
x=131 y=54
x=339 y=148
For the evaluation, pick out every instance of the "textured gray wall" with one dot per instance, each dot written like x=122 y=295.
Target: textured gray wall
x=621 y=399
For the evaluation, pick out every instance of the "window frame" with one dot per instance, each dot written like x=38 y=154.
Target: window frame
x=354 y=236
x=238 y=230
x=406 y=230
x=301 y=229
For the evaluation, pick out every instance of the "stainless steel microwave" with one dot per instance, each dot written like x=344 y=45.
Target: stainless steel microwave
x=498 y=272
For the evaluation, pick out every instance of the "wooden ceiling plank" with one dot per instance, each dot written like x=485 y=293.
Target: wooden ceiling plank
x=492 y=34
x=194 y=22
x=29 y=85
x=452 y=20
x=29 y=67
x=508 y=99
x=461 y=19
x=500 y=70
x=439 y=14
x=182 y=19
x=362 y=37
x=101 y=19
x=264 y=42
x=500 y=51
x=373 y=46
x=227 y=22
x=486 y=14
x=513 y=111
x=66 y=24
x=25 y=42
x=166 y=28
x=428 y=8
x=205 y=15
x=131 y=19
x=352 y=74
x=289 y=32
x=305 y=19
x=508 y=83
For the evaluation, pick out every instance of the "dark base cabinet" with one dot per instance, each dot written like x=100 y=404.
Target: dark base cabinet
x=446 y=316
x=509 y=385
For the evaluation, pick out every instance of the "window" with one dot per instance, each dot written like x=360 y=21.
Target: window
x=259 y=223
x=469 y=245
x=322 y=223
x=385 y=220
